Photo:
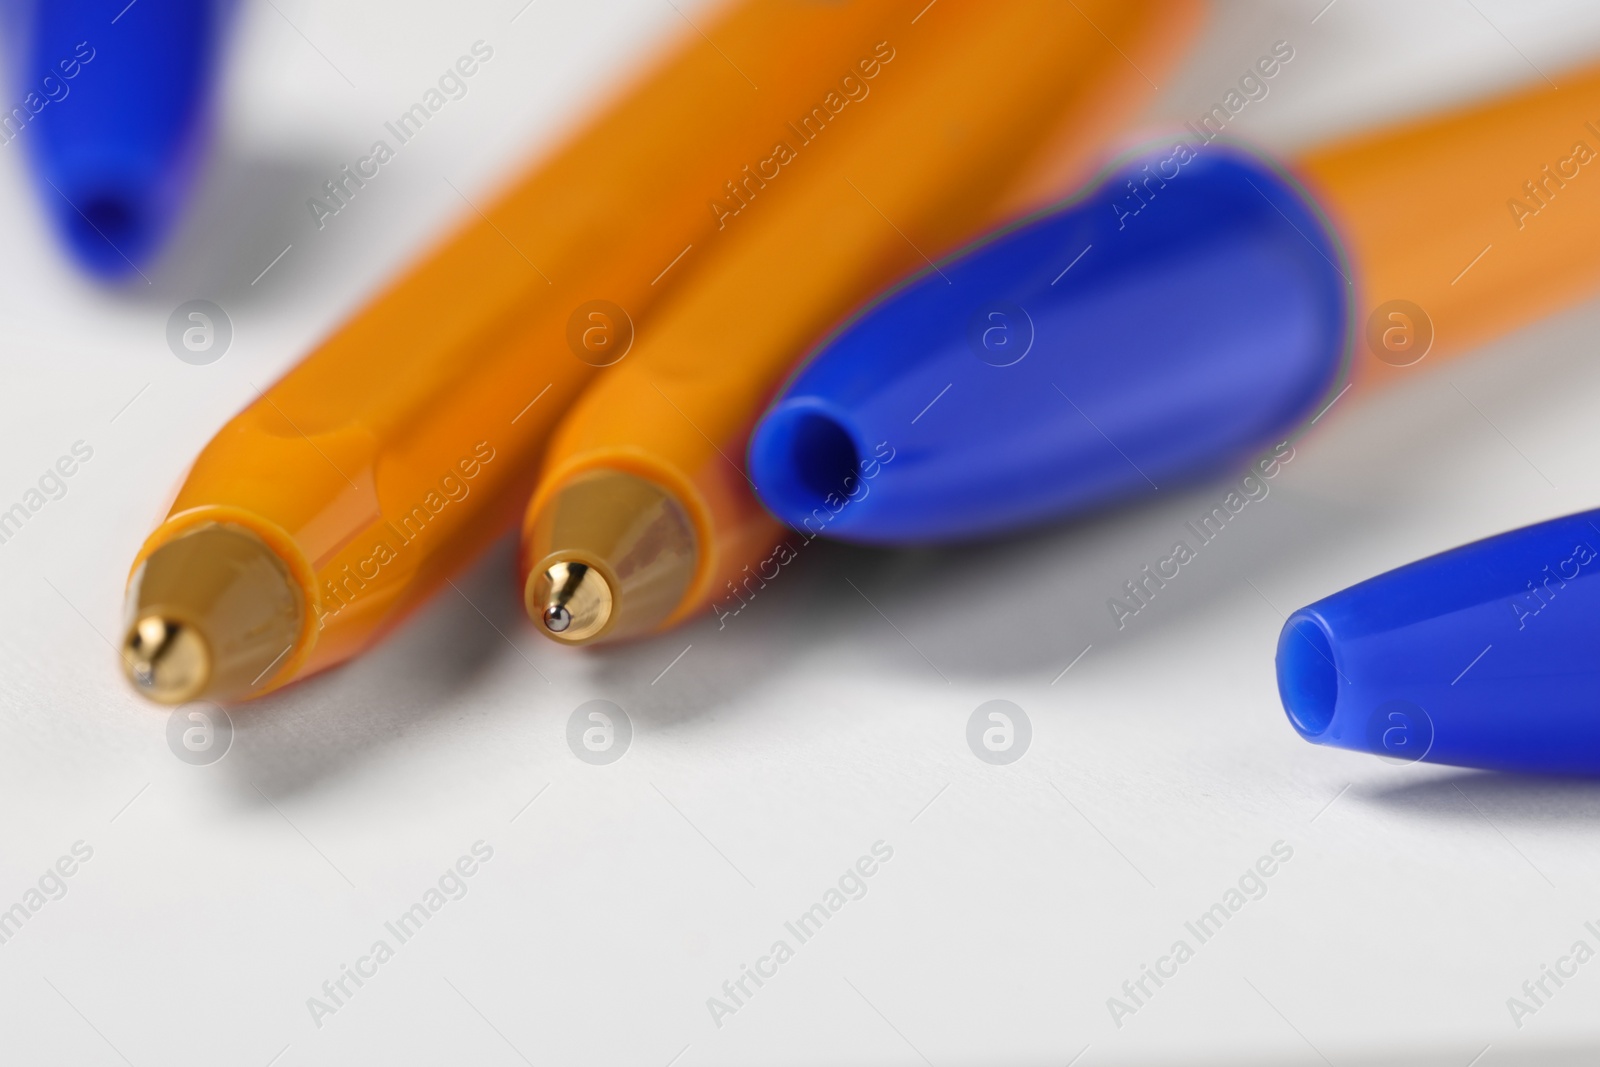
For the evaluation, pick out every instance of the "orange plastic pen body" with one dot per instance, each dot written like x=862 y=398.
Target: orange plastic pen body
x=964 y=107
x=405 y=443
x=1485 y=219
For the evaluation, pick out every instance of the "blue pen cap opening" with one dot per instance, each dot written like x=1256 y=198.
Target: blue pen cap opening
x=111 y=227
x=1308 y=680
x=801 y=456
x=112 y=215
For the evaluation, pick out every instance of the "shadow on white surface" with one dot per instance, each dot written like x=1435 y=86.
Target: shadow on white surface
x=240 y=219
x=1509 y=799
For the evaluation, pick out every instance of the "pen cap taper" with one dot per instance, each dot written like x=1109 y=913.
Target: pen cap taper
x=210 y=613
x=1098 y=352
x=611 y=555
x=1482 y=656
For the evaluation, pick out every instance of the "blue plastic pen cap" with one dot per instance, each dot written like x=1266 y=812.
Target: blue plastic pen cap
x=1178 y=318
x=1483 y=656
x=113 y=102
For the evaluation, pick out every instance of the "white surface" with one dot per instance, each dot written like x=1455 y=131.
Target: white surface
x=774 y=753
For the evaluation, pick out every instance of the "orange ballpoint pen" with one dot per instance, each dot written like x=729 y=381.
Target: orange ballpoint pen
x=643 y=510
x=400 y=447
x=1466 y=225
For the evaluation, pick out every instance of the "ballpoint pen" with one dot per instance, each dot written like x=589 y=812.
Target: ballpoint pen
x=401 y=446
x=643 y=514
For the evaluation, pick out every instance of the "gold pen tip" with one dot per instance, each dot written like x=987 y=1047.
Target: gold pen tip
x=167 y=659
x=571 y=600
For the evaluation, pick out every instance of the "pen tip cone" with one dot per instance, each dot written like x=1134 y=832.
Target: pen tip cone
x=570 y=600
x=166 y=659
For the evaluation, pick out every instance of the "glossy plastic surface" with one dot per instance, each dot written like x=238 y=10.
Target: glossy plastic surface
x=1483 y=656
x=407 y=441
x=1458 y=227
x=113 y=101
x=1483 y=219
x=1183 y=314
x=923 y=160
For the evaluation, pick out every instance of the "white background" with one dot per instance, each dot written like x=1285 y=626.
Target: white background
x=774 y=753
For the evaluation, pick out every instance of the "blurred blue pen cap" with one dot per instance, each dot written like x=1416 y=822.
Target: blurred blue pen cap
x=112 y=101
